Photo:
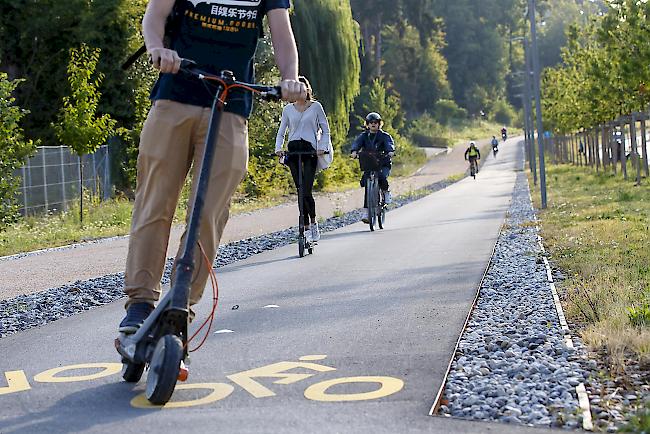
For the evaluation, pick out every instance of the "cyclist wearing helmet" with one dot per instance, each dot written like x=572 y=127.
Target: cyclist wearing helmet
x=472 y=154
x=376 y=139
x=495 y=144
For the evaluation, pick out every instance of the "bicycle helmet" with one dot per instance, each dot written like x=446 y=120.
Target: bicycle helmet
x=372 y=116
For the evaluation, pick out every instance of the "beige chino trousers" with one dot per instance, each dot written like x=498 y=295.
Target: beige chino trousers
x=172 y=138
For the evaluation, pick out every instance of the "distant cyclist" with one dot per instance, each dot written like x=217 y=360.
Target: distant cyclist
x=472 y=154
x=504 y=133
x=376 y=139
x=495 y=145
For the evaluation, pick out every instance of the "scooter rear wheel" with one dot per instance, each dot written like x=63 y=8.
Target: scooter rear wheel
x=163 y=370
x=132 y=372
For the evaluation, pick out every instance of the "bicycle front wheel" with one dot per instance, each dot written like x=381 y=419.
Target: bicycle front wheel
x=372 y=192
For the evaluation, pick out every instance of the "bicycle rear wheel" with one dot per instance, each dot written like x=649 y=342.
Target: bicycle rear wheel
x=381 y=214
x=371 y=202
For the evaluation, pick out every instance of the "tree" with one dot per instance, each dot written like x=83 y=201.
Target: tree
x=330 y=59
x=36 y=36
x=415 y=67
x=15 y=148
x=79 y=125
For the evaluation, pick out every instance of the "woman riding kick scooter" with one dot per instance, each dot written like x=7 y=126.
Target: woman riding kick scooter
x=309 y=152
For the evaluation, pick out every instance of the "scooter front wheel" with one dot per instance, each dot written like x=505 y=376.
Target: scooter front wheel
x=164 y=369
x=301 y=246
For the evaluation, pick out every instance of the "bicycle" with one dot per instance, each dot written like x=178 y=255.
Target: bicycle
x=369 y=161
x=473 y=167
x=302 y=240
x=162 y=340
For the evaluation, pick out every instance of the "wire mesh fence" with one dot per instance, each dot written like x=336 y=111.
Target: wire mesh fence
x=50 y=179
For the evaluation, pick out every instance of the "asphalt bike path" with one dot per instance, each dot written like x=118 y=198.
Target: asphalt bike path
x=28 y=274
x=355 y=338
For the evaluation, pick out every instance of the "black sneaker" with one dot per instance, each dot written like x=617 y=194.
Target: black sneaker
x=135 y=316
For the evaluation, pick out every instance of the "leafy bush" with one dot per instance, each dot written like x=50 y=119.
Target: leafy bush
x=502 y=112
x=639 y=423
x=427 y=133
x=447 y=111
x=13 y=151
x=639 y=315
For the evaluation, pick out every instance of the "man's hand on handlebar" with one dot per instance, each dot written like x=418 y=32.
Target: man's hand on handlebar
x=279 y=153
x=354 y=154
x=293 y=90
x=165 y=60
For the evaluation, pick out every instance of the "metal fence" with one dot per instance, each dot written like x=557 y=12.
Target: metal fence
x=50 y=179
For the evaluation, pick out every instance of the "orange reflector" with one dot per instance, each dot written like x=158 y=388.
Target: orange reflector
x=183 y=372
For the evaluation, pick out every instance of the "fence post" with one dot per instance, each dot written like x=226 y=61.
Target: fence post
x=65 y=200
x=589 y=145
x=603 y=138
x=47 y=205
x=644 y=145
x=597 y=148
x=24 y=188
x=622 y=156
x=634 y=149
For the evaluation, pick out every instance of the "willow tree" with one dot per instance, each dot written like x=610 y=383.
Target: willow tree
x=328 y=43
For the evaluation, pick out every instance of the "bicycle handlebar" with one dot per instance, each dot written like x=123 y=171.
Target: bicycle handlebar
x=379 y=153
x=227 y=81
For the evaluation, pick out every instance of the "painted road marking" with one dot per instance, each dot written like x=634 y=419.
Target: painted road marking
x=16 y=382
x=276 y=370
x=279 y=373
x=219 y=332
x=218 y=392
x=318 y=391
x=271 y=306
x=313 y=358
x=107 y=369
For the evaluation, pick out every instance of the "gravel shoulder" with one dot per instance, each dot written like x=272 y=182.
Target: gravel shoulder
x=38 y=271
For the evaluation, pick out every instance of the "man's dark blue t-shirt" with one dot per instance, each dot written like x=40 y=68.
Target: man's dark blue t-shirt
x=217 y=35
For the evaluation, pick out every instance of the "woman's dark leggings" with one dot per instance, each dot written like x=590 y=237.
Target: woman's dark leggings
x=309 y=163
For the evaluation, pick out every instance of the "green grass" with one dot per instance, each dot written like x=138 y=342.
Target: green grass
x=597 y=228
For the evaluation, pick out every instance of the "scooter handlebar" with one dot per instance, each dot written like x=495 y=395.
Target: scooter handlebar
x=269 y=93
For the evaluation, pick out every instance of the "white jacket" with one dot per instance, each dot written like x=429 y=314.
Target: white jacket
x=310 y=125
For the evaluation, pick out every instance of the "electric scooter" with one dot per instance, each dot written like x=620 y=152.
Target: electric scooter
x=161 y=342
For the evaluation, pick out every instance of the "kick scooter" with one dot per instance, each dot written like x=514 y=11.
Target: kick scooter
x=161 y=342
x=302 y=240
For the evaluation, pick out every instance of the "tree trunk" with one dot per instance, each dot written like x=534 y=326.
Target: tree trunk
x=378 y=45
